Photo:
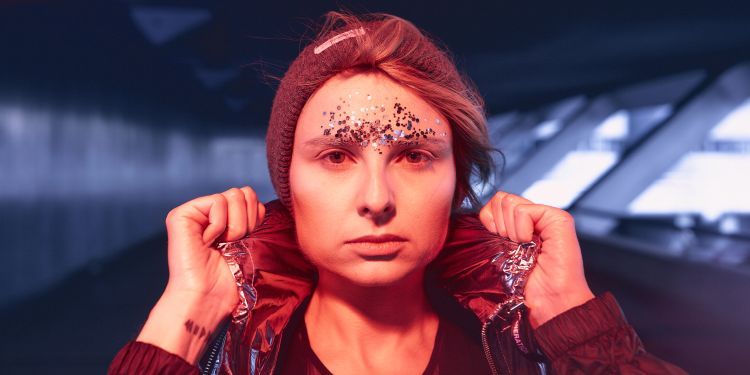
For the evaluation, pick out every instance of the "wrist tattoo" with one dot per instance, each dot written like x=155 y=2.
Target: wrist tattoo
x=197 y=330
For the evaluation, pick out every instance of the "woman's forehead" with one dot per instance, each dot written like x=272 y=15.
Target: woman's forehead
x=369 y=110
x=362 y=90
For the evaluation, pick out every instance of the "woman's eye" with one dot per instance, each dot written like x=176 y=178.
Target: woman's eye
x=415 y=157
x=336 y=157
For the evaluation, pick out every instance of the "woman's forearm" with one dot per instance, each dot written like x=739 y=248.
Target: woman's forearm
x=552 y=307
x=182 y=324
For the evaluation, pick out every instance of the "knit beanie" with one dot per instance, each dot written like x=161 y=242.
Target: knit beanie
x=318 y=62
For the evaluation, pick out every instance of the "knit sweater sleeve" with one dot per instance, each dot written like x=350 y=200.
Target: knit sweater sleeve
x=595 y=338
x=142 y=358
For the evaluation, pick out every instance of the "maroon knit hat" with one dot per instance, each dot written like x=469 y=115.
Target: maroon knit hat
x=317 y=63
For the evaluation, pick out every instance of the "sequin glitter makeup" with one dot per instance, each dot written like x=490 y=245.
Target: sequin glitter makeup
x=374 y=126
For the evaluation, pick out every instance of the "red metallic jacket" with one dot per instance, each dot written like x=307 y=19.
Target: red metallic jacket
x=591 y=338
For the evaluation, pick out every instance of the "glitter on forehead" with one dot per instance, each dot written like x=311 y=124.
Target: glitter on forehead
x=375 y=131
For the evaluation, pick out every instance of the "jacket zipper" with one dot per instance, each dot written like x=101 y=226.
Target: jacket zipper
x=486 y=346
x=488 y=353
x=214 y=351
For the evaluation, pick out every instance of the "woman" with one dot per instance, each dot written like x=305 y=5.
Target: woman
x=366 y=263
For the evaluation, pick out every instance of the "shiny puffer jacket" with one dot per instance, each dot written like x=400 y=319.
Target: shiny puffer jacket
x=276 y=279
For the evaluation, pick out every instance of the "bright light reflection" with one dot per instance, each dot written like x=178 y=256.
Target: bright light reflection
x=570 y=177
x=547 y=129
x=615 y=127
x=707 y=183
x=735 y=126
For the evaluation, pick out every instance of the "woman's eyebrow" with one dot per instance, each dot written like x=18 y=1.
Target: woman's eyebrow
x=328 y=141
x=433 y=144
x=429 y=141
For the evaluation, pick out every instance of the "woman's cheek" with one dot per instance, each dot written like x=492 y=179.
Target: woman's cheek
x=428 y=202
x=433 y=191
x=316 y=198
x=314 y=189
x=304 y=201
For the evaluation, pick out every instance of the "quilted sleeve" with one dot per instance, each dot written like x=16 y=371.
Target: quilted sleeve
x=595 y=338
x=143 y=358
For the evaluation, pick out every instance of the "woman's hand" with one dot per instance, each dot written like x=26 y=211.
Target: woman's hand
x=557 y=283
x=195 y=266
x=201 y=290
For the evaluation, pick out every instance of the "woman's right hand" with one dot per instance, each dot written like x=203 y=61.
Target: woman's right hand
x=201 y=290
x=196 y=267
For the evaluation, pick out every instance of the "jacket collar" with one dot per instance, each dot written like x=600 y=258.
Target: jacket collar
x=280 y=278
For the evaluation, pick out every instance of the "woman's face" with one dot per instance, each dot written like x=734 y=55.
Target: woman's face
x=371 y=158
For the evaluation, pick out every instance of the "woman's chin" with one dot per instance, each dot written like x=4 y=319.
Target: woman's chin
x=378 y=274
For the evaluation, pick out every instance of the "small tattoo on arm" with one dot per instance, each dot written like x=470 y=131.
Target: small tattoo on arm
x=197 y=330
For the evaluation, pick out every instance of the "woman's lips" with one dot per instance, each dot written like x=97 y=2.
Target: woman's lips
x=387 y=237
x=383 y=247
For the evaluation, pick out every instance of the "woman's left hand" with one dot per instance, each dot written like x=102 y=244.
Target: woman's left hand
x=557 y=283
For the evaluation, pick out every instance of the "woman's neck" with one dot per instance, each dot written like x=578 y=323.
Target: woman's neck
x=368 y=325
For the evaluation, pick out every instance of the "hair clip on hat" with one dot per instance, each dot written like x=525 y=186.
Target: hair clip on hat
x=343 y=36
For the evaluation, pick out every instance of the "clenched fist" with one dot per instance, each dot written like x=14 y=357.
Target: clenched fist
x=557 y=283
x=195 y=266
x=201 y=290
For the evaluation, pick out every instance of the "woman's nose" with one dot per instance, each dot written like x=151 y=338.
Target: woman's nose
x=376 y=198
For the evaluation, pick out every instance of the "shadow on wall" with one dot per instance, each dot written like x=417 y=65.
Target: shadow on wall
x=77 y=187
